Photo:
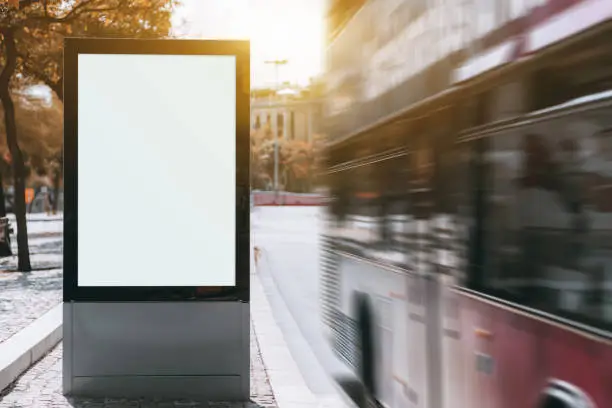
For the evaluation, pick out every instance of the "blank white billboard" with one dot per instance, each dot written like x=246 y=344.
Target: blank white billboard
x=157 y=170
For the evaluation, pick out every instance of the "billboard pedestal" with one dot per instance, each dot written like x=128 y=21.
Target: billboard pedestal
x=195 y=350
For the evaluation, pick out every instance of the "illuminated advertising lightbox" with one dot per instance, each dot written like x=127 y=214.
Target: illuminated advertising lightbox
x=153 y=140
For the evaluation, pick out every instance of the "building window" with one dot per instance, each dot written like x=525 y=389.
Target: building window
x=280 y=122
x=292 y=124
x=269 y=119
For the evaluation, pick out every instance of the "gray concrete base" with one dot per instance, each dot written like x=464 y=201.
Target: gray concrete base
x=197 y=350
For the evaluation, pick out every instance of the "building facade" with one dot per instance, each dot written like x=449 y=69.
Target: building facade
x=295 y=116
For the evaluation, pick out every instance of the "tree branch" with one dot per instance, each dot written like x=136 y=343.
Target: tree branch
x=29 y=70
x=76 y=9
x=26 y=3
x=9 y=68
x=79 y=10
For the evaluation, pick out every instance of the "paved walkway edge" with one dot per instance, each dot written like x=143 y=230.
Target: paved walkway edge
x=288 y=385
x=20 y=351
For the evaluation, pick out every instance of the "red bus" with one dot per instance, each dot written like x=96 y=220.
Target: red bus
x=467 y=250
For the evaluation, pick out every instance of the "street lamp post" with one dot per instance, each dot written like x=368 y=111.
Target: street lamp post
x=252 y=99
x=277 y=64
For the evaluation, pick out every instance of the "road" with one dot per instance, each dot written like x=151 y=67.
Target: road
x=288 y=267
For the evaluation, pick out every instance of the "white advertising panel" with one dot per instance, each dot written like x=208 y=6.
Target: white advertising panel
x=157 y=170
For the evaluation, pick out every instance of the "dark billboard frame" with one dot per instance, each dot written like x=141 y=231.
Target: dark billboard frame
x=72 y=292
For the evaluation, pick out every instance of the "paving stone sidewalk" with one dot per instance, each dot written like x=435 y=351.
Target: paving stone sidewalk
x=26 y=296
x=41 y=387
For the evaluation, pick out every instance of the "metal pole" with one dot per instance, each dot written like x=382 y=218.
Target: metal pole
x=276 y=64
x=251 y=142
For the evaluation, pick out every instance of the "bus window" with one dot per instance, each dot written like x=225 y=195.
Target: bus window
x=446 y=173
x=353 y=204
x=421 y=156
x=383 y=175
x=549 y=216
x=339 y=196
x=476 y=211
x=462 y=197
x=365 y=196
x=391 y=183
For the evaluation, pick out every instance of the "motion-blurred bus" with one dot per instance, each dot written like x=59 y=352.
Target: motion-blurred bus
x=467 y=250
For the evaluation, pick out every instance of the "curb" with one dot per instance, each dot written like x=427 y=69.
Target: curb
x=287 y=383
x=19 y=352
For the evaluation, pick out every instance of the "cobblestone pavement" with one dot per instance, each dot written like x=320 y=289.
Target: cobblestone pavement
x=26 y=296
x=41 y=387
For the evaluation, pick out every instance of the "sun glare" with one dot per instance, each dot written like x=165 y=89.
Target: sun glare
x=278 y=29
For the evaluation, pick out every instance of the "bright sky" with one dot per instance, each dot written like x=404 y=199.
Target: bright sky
x=278 y=29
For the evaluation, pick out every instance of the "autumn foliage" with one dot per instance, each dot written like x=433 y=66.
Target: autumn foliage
x=297 y=162
x=40 y=130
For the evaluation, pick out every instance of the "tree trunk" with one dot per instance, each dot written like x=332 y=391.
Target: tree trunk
x=58 y=88
x=23 y=252
x=2 y=197
x=5 y=246
x=57 y=175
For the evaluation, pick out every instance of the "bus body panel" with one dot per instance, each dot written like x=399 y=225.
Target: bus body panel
x=387 y=295
x=499 y=358
x=494 y=356
x=523 y=352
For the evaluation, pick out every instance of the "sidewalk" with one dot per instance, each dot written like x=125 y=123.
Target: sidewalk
x=41 y=387
x=275 y=379
x=24 y=297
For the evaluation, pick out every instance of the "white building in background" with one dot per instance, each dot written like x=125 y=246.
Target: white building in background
x=293 y=113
